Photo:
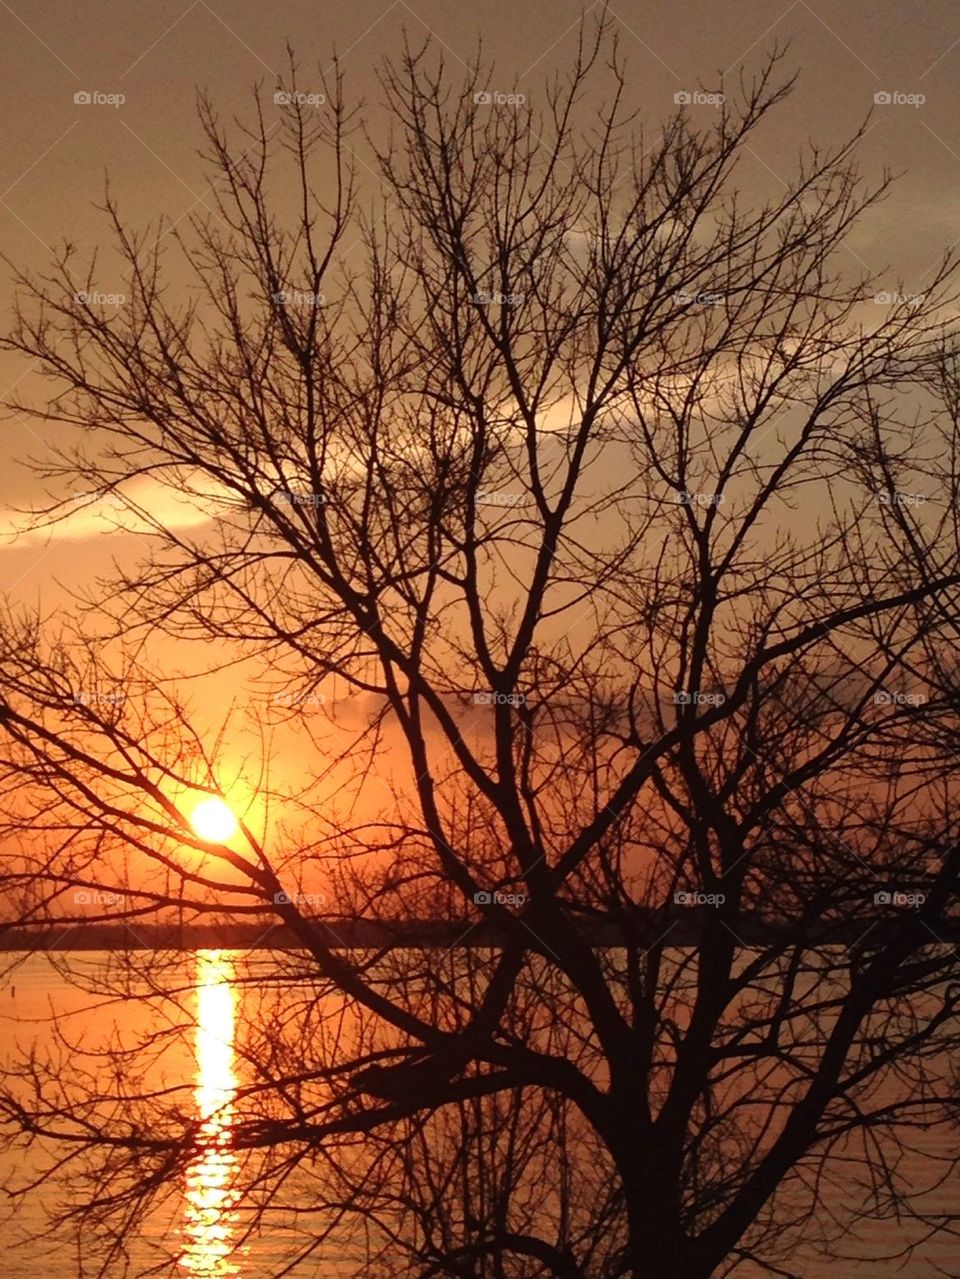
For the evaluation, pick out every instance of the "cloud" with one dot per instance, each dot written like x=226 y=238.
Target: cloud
x=143 y=505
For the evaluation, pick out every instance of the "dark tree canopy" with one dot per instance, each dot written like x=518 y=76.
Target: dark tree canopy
x=625 y=520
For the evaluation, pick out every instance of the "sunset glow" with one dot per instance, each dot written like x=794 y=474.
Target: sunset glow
x=480 y=532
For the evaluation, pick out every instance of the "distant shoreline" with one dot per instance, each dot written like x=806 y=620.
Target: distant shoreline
x=675 y=928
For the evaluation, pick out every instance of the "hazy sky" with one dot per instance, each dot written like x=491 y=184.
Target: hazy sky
x=56 y=152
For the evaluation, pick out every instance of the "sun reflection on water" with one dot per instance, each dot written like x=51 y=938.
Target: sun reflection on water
x=209 y=1218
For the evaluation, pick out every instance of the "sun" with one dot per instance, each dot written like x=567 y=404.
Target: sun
x=213 y=820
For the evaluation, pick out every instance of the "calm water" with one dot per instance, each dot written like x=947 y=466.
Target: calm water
x=205 y=1224
x=204 y=1221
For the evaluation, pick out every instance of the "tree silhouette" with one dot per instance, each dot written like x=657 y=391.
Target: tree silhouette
x=626 y=516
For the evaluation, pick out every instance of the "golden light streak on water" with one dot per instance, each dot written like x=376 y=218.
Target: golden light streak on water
x=209 y=1219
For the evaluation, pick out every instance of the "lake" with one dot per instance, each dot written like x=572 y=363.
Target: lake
x=203 y=1218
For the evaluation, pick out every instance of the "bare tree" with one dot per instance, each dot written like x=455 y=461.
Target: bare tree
x=626 y=508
